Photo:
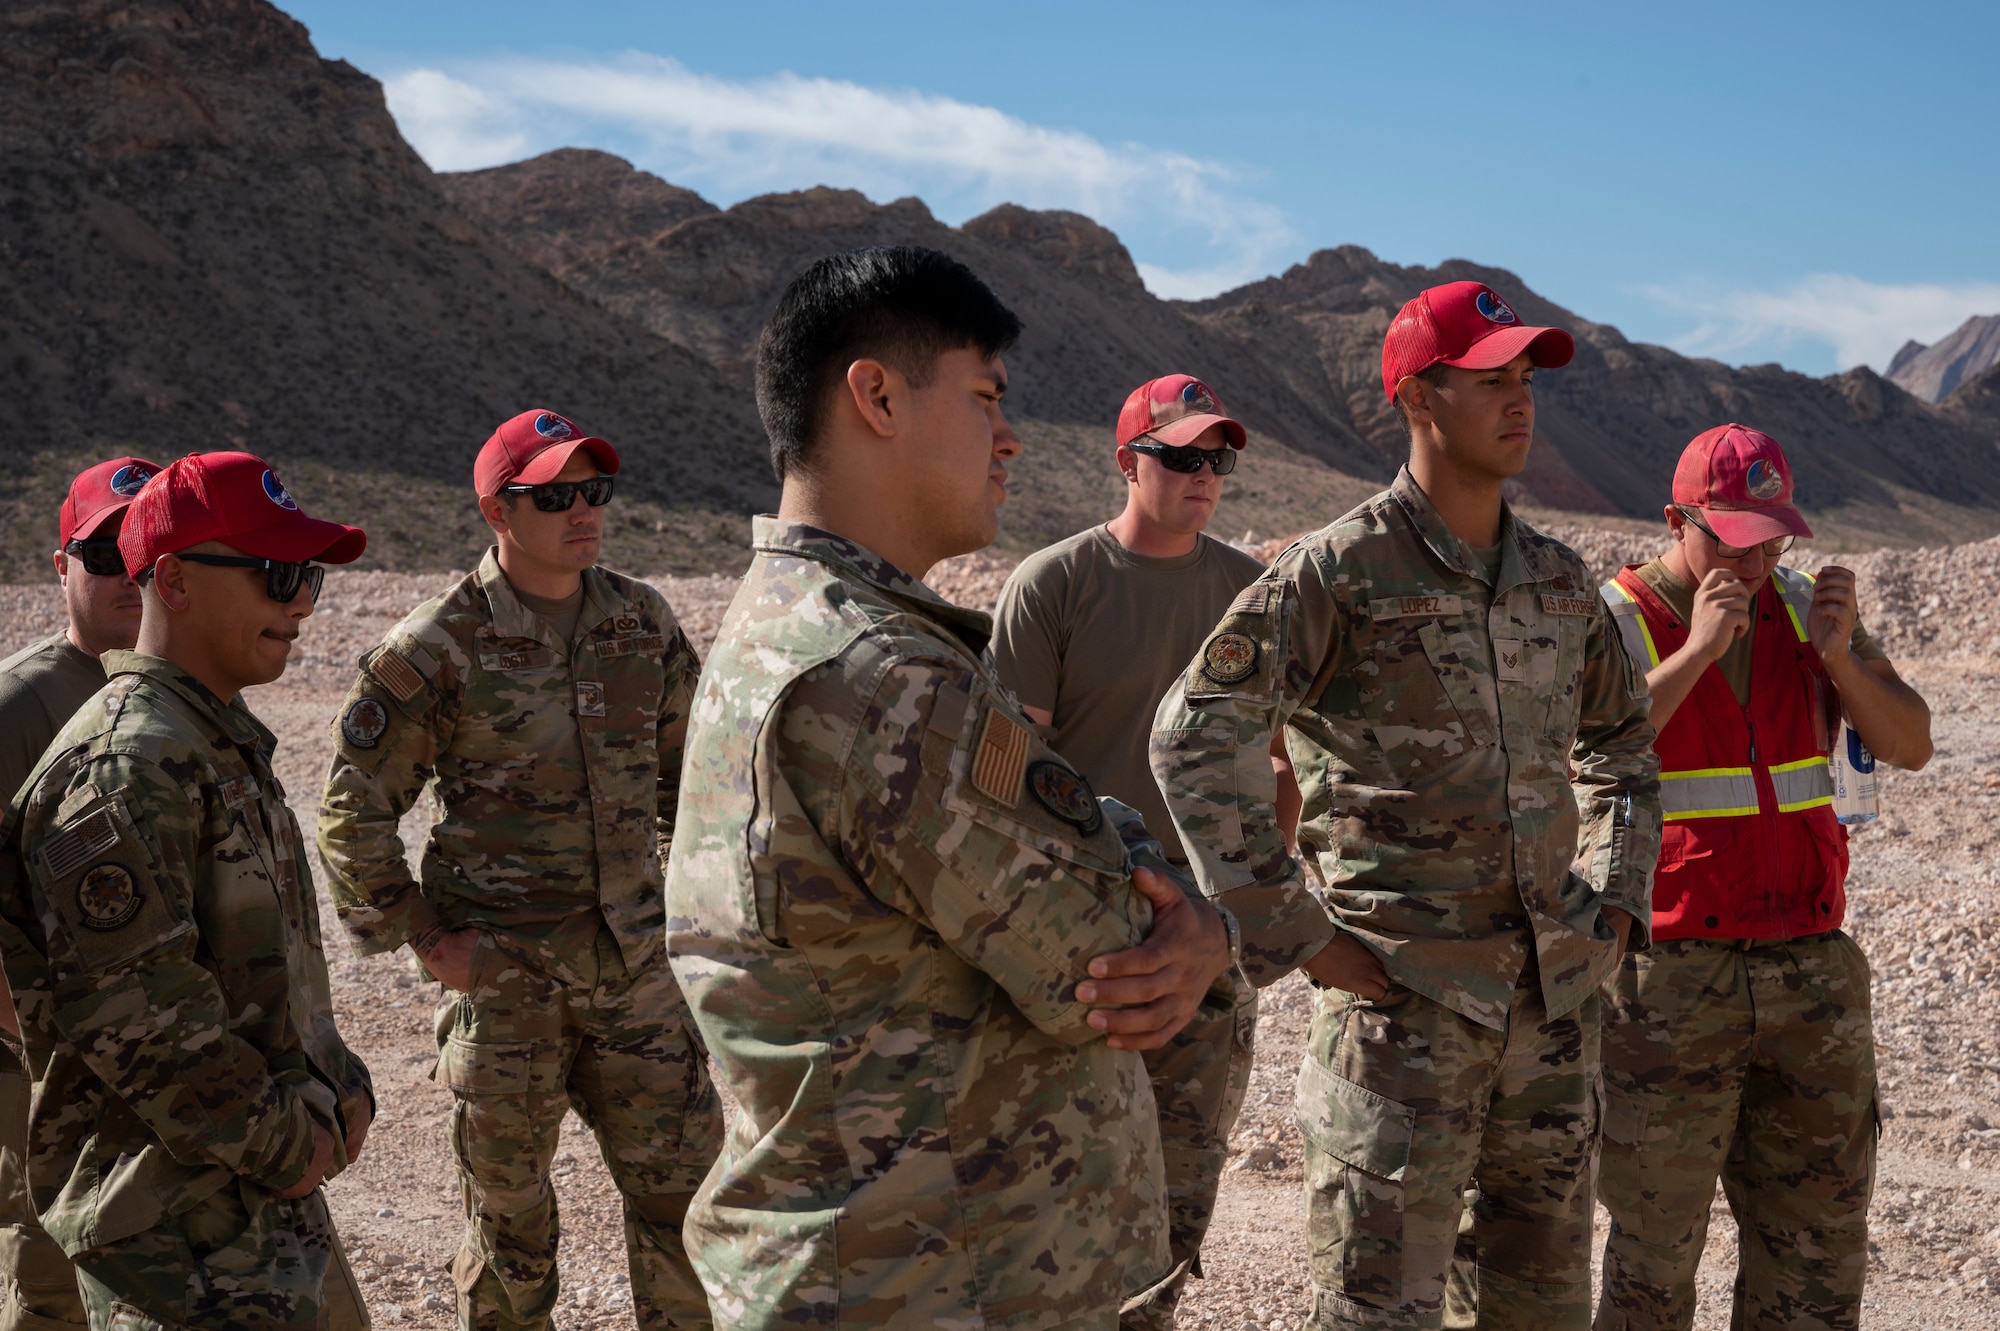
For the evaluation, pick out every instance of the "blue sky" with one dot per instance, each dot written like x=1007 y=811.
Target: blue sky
x=1805 y=184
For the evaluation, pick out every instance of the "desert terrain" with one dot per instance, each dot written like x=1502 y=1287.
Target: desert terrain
x=1924 y=894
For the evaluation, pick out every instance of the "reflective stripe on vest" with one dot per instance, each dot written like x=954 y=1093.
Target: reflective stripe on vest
x=1710 y=792
x=1631 y=622
x=1805 y=784
x=1796 y=590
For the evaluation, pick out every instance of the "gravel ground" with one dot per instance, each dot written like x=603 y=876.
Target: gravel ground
x=1924 y=892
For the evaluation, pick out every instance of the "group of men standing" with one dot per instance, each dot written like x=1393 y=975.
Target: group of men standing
x=969 y=912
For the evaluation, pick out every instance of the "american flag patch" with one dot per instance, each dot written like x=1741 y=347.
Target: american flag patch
x=93 y=836
x=1000 y=763
x=397 y=675
x=1250 y=601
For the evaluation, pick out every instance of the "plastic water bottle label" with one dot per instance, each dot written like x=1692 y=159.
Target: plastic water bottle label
x=1856 y=797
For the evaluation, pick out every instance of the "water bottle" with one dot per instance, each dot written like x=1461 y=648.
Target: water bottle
x=1855 y=797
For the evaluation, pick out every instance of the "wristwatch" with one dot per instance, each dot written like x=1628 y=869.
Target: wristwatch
x=1235 y=932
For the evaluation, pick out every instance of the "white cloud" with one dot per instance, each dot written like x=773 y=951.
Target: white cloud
x=733 y=138
x=1865 y=323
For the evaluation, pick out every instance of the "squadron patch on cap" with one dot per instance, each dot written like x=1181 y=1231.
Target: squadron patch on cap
x=363 y=722
x=128 y=480
x=1763 y=479
x=107 y=897
x=553 y=427
x=1495 y=308
x=274 y=490
x=1066 y=795
x=1229 y=658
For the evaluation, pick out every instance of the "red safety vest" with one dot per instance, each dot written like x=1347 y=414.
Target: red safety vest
x=1750 y=848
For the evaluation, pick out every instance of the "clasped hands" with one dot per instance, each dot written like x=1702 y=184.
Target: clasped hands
x=1143 y=995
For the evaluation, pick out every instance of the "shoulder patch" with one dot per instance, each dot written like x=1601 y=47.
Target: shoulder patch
x=1409 y=607
x=1065 y=794
x=99 y=877
x=395 y=674
x=1229 y=657
x=107 y=898
x=1569 y=605
x=364 y=722
x=94 y=834
x=1001 y=759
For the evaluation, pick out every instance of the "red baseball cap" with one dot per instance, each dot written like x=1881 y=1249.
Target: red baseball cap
x=1175 y=410
x=1739 y=479
x=533 y=448
x=234 y=498
x=1466 y=325
x=99 y=494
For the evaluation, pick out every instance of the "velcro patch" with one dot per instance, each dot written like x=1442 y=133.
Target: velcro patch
x=1252 y=600
x=1410 y=607
x=948 y=712
x=364 y=722
x=1001 y=760
x=238 y=791
x=93 y=835
x=589 y=698
x=648 y=643
x=1569 y=605
x=528 y=658
x=395 y=674
x=1229 y=658
x=77 y=801
x=1510 y=659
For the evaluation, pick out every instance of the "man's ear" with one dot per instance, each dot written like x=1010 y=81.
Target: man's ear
x=494 y=509
x=1675 y=522
x=170 y=583
x=1128 y=463
x=1415 y=395
x=877 y=393
x=62 y=567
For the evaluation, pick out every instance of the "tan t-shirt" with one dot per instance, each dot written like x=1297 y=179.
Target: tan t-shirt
x=40 y=689
x=1735 y=663
x=1096 y=635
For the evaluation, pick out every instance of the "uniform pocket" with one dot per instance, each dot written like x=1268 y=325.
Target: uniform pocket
x=473 y=1067
x=1352 y=1123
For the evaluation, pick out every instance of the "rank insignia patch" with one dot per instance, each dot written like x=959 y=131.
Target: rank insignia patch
x=107 y=897
x=1066 y=795
x=1229 y=657
x=999 y=760
x=364 y=721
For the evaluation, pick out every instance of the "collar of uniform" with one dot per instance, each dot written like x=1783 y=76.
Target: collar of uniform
x=1522 y=557
x=511 y=619
x=232 y=719
x=772 y=535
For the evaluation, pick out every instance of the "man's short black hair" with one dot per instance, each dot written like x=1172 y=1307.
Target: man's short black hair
x=903 y=305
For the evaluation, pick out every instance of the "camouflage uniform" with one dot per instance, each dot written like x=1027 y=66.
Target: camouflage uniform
x=554 y=768
x=181 y=1023
x=884 y=894
x=1432 y=721
x=1771 y=1086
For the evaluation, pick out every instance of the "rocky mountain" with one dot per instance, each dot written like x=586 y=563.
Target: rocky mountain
x=1297 y=355
x=214 y=238
x=1933 y=373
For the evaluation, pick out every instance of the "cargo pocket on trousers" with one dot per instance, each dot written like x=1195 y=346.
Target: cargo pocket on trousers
x=1362 y=1144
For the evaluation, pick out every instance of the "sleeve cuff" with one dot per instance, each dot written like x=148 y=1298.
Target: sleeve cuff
x=1279 y=925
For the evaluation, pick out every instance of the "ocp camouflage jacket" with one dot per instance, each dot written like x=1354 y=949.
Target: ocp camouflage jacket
x=1433 y=722
x=176 y=1003
x=883 y=895
x=553 y=766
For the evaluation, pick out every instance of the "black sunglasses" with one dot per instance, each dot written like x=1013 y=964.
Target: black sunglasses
x=1188 y=459
x=282 y=578
x=99 y=557
x=557 y=496
x=1777 y=545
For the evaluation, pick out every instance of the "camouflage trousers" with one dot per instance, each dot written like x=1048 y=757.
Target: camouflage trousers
x=37 y=1282
x=240 y=1257
x=1448 y=1164
x=1754 y=1062
x=1199 y=1080
x=518 y=1053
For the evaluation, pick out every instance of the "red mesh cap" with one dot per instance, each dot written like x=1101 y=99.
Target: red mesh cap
x=99 y=494
x=1175 y=410
x=1465 y=324
x=234 y=498
x=1739 y=478
x=533 y=448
